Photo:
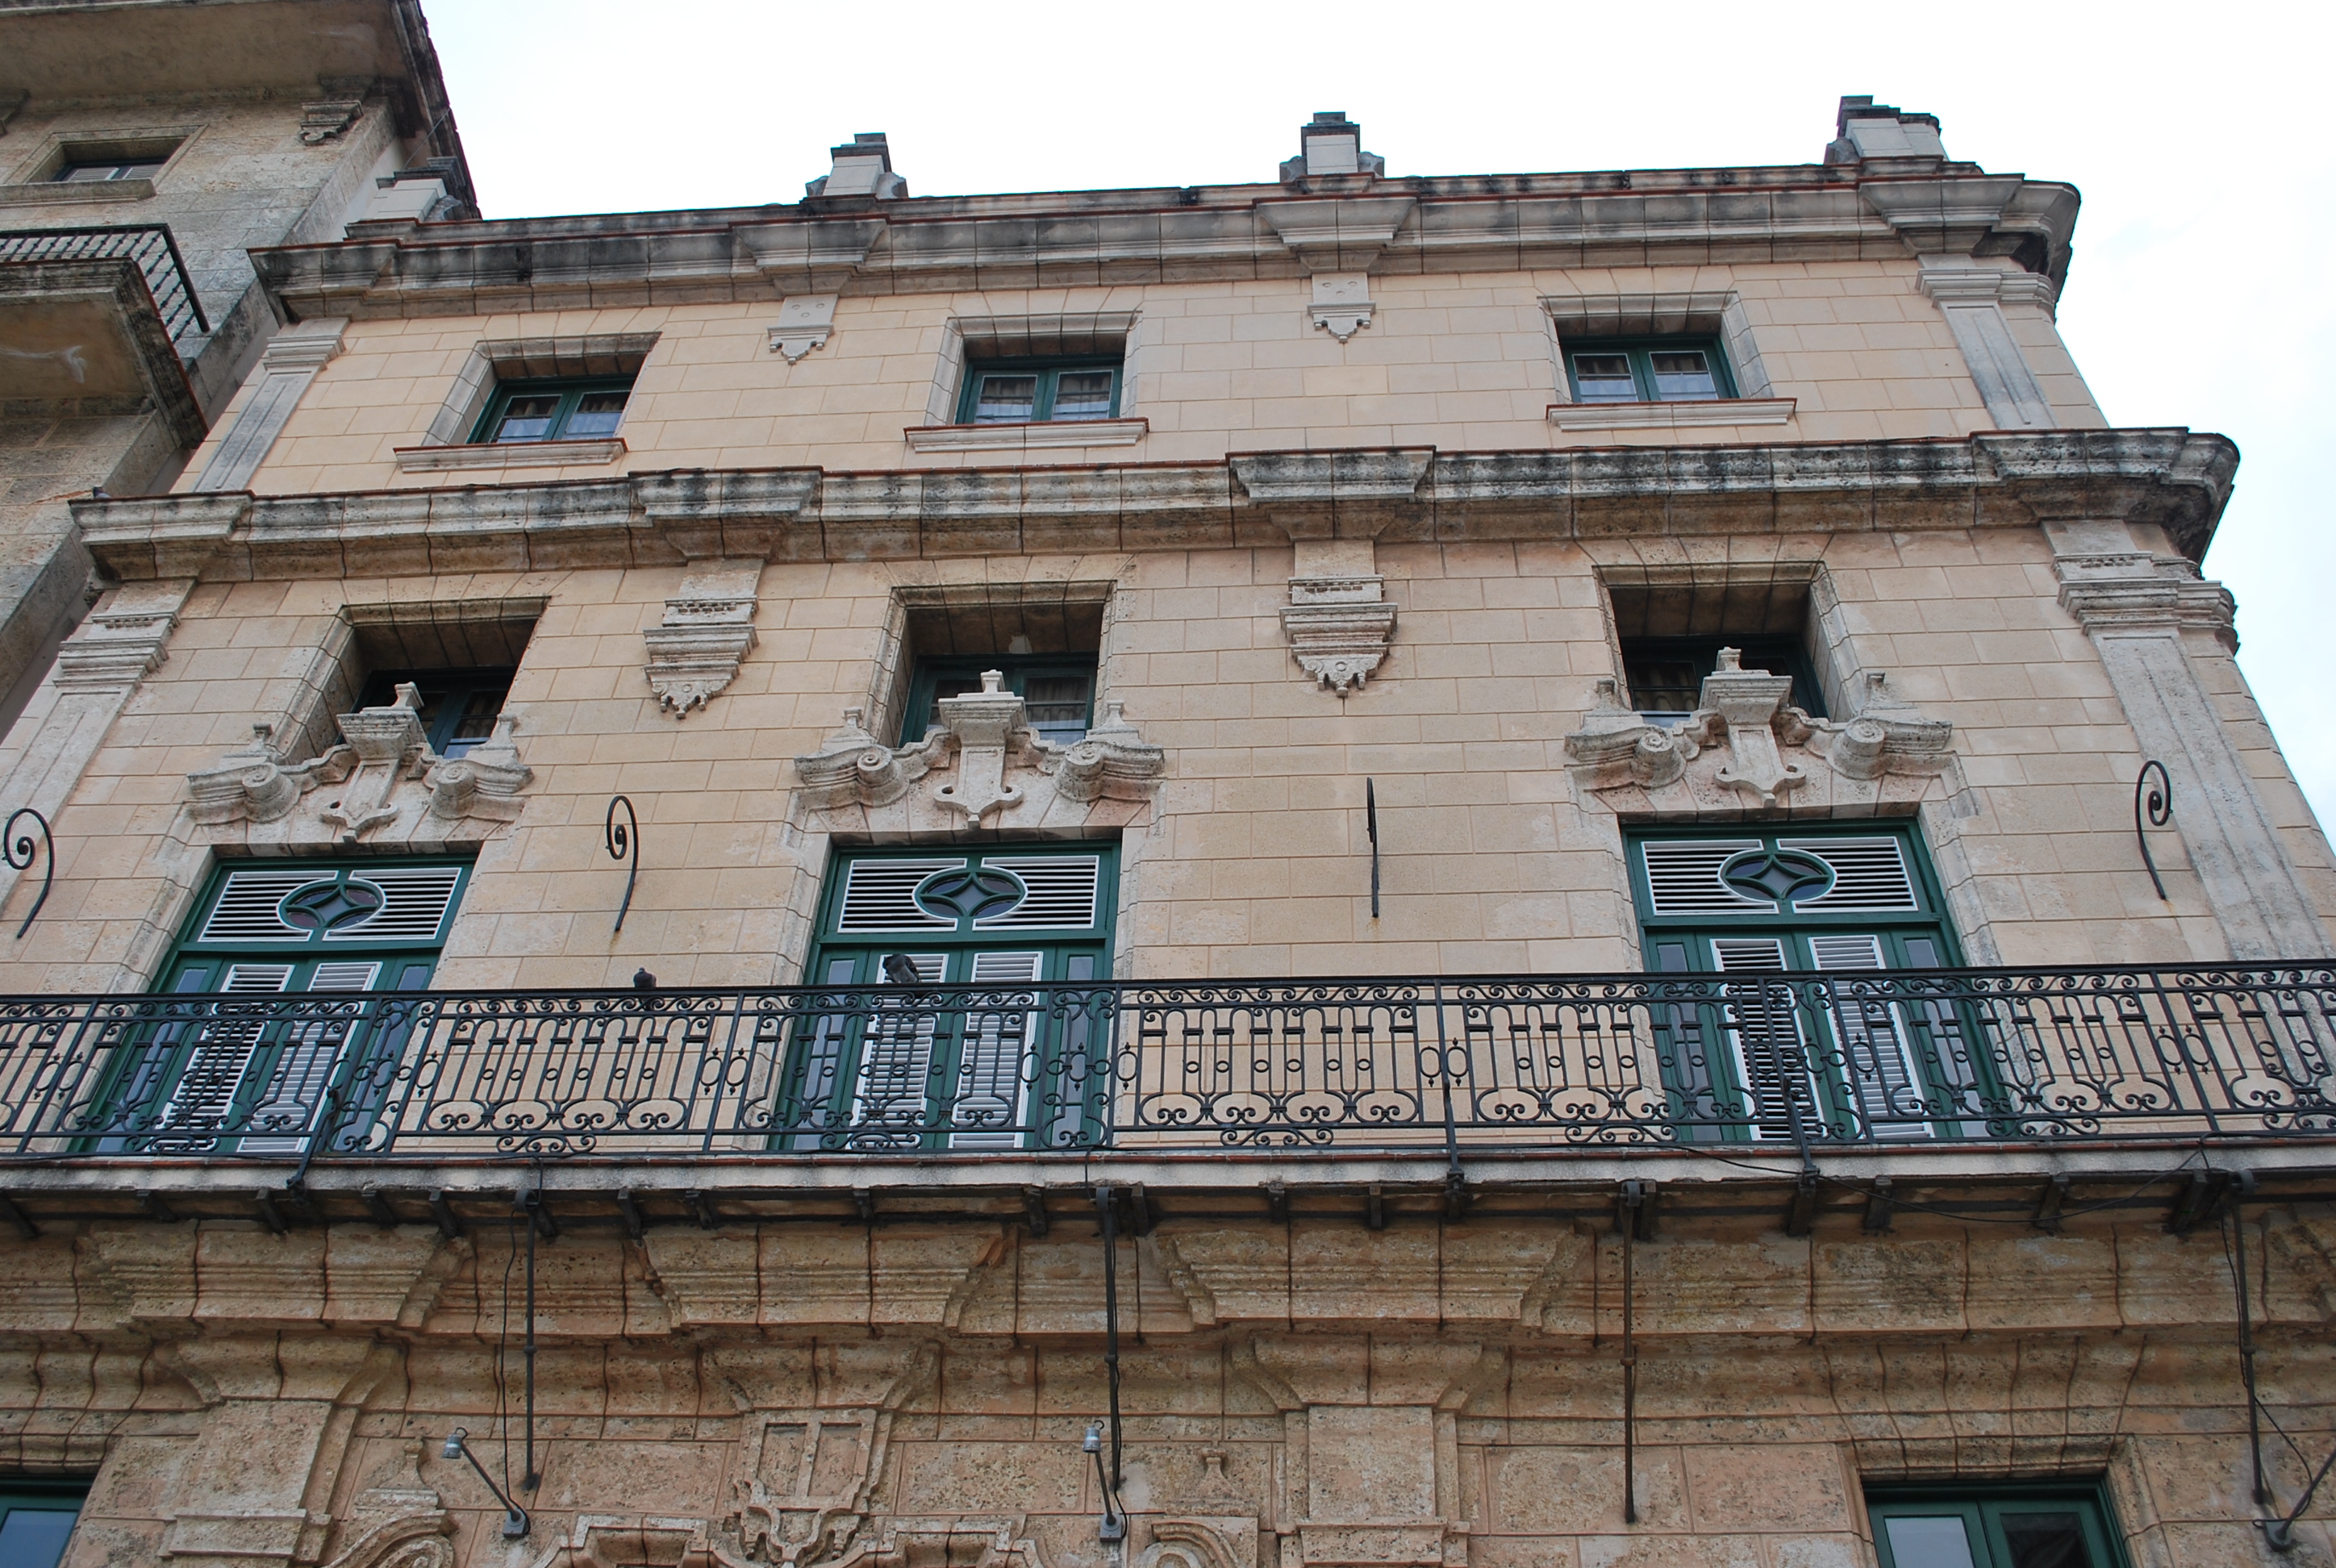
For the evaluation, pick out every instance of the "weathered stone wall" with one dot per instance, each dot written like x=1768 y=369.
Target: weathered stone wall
x=1464 y=362
x=1251 y=859
x=1432 y=1393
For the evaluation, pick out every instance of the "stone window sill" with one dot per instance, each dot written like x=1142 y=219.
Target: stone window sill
x=510 y=454
x=76 y=193
x=1671 y=416
x=1020 y=437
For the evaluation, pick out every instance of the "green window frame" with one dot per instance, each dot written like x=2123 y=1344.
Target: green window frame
x=2011 y=1525
x=1039 y=391
x=1647 y=370
x=991 y=1067
x=583 y=408
x=37 y=1520
x=254 y=1076
x=1665 y=674
x=458 y=705
x=1828 y=899
x=1058 y=691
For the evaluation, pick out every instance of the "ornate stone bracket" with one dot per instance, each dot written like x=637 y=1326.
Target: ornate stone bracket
x=708 y=631
x=1342 y=303
x=117 y=648
x=325 y=120
x=1744 y=748
x=805 y=322
x=387 y=771
x=1001 y=763
x=1339 y=629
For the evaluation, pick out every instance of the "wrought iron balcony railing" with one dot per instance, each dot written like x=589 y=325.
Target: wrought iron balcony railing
x=1475 y=1064
x=149 y=245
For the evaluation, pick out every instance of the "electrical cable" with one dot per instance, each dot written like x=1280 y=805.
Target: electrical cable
x=502 y=1349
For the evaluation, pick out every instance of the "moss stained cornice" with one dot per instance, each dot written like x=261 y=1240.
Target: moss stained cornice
x=2173 y=478
x=924 y=245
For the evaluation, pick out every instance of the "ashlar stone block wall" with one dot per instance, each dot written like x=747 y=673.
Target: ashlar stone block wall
x=1252 y=860
x=1436 y=1393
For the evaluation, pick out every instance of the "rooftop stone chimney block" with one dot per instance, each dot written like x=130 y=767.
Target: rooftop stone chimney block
x=861 y=168
x=1330 y=144
x=1864 y=129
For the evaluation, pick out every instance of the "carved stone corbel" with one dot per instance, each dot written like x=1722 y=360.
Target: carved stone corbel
x=805 y=322
x=325 y=120
x=1339 y=629
x=1342 y=303
x=707 y=633
x=1744 y=745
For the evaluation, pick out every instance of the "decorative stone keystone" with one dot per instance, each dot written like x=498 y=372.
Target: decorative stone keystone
x=986 y=736
x=1339 y=628
x=806 y=321
x=386 y=766
x=1342 y=303
x=708 y=631
x=1772 y=751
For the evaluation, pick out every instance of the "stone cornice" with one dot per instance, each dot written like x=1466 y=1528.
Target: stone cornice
x=2172 y=478
x=1672 y=218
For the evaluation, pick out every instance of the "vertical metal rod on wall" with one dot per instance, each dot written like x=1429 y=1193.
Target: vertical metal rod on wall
x=19 y=854
x=1371 y=822
x=531 y=1480
x=2160 y=808
x=625 y=845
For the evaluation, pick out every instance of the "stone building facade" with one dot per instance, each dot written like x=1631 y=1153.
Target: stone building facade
x=147 y=147
x=1350 y=872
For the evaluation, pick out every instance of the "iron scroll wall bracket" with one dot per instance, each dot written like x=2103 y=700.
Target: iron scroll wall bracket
x=1371 y=822
x=18 y=848
x=624 y=847
x=2157 y=806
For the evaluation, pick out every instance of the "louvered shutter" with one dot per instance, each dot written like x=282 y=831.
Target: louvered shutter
x=246 y=909
x=1764 y=1032
x=897 y=1057
x=1062 y=893
x=204 y=1095
x=879 y=895
x=1871 y=1035
x=413 y=905
x=304 y=1067
x=1870 y=876
x=1683 y=878
x=991 y=1071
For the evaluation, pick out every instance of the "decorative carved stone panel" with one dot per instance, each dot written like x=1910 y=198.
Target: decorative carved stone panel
x=707 y=633
x=383 y=783
x=1743 y=749
x=1339 y=629
x=1001 y=773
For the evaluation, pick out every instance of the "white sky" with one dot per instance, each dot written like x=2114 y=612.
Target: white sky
x=2201 y=292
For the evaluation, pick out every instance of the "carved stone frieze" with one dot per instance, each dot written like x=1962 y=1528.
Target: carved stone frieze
x=1744 y=748
x=1339 y=629
x=385 y=771
x=1002 y=768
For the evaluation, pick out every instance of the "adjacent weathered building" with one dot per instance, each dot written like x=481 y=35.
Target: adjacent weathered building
x=1357 y=872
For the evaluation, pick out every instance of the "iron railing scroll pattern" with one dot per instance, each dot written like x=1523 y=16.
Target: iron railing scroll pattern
x=151 y=244
x=1479 y=1065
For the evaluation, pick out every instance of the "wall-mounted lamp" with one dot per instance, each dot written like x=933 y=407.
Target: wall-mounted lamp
x=515 y=1521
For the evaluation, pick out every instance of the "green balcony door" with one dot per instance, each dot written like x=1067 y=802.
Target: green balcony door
x=998 y=1067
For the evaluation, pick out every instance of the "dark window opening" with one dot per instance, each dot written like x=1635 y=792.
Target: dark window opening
x=2008 y=1526
x=1647 y=370
x=576 y=410
x=458 y=705
x=1057 y=694
x=105 y=169
x=36 y=1521
x=1665 y=674
x=1039 y=392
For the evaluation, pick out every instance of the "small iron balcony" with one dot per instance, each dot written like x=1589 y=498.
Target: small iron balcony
x=1434 y=1066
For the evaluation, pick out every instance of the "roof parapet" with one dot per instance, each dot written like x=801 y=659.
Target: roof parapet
x=1864 y=128
x=1330 y=145
x=862 y=167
